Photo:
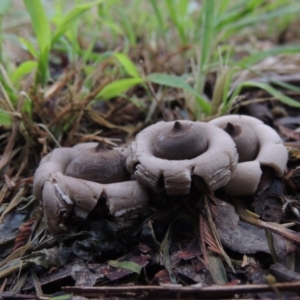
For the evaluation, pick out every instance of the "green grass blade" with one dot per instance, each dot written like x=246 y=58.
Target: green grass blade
x=42 y=69
x=216 y=268
x=275 y=93
x=266 y=87
x=251 y=19
x=23 y=69
x=226 y=90
x=42 y=31
x=285 y=85
x=40 y=23
x=207 y=32
x=30 y=48
x=4 y=6
x=176 y=20
x=70 y=18
x=158 y=16
x=118 y=87
x=115 y=28
x=9 y=94
x=165 y=252
x=5 y=118
x=178 y=82
x=127 y=26
x=272 y=249
x=206 y=40
x=220 y=87
x=127 y=64
x=258 y=56
x=126 y=265
x=27 y=105
x=223 y=6
x=233 y=13
x=63 y=297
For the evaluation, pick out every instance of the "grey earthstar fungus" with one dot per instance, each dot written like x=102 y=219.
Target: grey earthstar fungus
x=173 y=152
x=257 y=145
x=72 y=180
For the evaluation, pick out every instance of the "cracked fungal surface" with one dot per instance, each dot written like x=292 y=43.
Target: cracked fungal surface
x=257 y=145
x=72 y=180
x=173 y=152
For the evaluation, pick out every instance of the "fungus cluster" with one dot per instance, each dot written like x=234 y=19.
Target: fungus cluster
x=226 y=152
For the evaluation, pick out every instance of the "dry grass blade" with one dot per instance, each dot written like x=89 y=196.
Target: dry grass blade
x=24 y=162
x=10 y=144
x=274 y=227
x=14 y=203
x=37 y=284
x=154 y=95
x=101 y=121
x=14 y=296
x=68 y=109
x=3 y=193
x=218 y=91
x=271 y=245
x=291 y=259
x=18 y=286
x=96 y=91
x=12 y=267
x=93 y=137
x=214 y=230
x=15 y=255
x=3 y=285
x=8 y=103
x=164 y=255
x=50 y=134
x=59 y=84
x=216 y=269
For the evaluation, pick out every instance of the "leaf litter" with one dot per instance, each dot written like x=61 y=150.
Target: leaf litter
x=93 y=253
x=166 y=247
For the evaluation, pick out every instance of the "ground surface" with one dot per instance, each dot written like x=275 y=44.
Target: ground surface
x=142 y=65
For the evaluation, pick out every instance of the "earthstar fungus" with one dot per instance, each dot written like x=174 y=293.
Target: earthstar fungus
x=226 y=152
x=176 y=151
x=257 y=145
x=65 y=183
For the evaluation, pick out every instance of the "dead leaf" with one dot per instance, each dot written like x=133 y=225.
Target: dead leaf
x=267 y=203
x=187 y=273
x=243 y=237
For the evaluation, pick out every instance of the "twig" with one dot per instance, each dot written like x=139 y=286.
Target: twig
x=177 y=291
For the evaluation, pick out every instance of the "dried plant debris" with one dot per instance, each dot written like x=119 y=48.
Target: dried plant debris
x=9 y=229
x=266 y=201
x=242 y=237
x=283 y=274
